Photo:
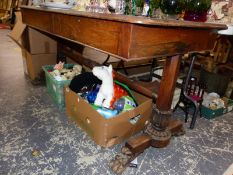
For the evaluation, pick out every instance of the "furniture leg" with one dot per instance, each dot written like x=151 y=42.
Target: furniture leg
x=177 y=105
x=193 y=58
x=167 y=86
x=158 y=133
x=106 y=61
x=186 y=113
x=200 y=109
x=154 y=62
x=194 y=118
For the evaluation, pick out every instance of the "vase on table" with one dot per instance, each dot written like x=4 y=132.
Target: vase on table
x=120 y=7
x=137 y=11
x=172 y=8
x=127 y=10
x=153 y=8
x=197 y=10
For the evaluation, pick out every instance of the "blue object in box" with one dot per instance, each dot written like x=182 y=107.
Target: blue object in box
x=106 y=113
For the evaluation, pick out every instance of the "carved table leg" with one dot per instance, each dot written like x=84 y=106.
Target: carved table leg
x=158 y=133
x=162 y=127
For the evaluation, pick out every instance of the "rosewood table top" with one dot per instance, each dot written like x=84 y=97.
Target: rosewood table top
x=124 y=36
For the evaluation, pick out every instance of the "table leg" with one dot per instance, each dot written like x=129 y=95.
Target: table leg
x=162 y=127
x=158 y=133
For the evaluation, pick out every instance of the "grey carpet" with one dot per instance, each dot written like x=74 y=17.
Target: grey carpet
x=29 y=120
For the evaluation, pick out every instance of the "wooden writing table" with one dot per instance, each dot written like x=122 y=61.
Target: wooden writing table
x=132 y=38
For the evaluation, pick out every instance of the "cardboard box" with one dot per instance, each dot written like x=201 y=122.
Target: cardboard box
x=70 y=61
x=108 y=132
x=37 y=49
x=32 y=40
x=37 y=43
x=24 y=58
x=18 y=29
x=33 y=63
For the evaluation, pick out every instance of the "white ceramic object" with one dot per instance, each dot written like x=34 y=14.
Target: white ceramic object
x=228 y=31
x=112 y=3
x=56 y=5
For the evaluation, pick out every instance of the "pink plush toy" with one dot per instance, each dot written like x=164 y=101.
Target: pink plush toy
x=59 y=66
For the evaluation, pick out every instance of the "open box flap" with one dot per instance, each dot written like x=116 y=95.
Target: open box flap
x=18 y=29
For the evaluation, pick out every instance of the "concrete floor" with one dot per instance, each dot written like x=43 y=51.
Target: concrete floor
x=29 y=120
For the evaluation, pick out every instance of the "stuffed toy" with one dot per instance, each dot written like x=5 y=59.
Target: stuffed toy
x=109 y=92
x=61 y=73
x=105 y=93
x=213 y=101
x=77 y=69
x=59 y=66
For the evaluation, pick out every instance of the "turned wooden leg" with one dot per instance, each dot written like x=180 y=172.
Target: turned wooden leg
x=162 y=127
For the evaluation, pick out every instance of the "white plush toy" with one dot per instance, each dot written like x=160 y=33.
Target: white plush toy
x=106 y=90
